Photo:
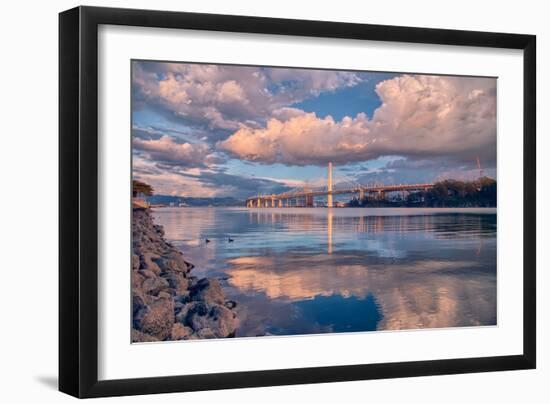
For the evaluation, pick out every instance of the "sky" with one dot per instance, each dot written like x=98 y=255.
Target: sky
x=205 y=130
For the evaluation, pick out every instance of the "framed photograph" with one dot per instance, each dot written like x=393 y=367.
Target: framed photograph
x=251 y=201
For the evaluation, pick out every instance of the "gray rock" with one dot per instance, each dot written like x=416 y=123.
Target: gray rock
x=154 y=285
x=206 y=333
x=183 y=298
x=138 y=301
x=148 y=262
x=135 y=262
x=176 y=263
x=224 y=320
x=208 y=290
x=177 y=282
x=219 y=319
x=179 y=332
x=138 y=336
x=157 y=319
x=137 y=280
x=147 y=273
x=190 y=309
x=164 y=295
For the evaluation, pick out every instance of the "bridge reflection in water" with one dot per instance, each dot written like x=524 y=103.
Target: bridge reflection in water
x=317 y=270
x=305 y=196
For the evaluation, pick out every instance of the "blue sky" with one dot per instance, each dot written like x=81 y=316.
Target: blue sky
x=216 y=130
x=348 y=101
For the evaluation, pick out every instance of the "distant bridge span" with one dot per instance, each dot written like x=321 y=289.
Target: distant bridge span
x=305 y=194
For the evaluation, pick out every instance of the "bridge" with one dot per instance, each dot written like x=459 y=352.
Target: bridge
x=305 y=196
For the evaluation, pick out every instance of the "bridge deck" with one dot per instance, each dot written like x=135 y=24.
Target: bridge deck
x=352 y=190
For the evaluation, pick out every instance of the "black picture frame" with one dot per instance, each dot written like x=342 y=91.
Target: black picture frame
x=78 y=201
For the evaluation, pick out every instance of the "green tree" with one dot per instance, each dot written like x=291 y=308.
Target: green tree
x=142 y=188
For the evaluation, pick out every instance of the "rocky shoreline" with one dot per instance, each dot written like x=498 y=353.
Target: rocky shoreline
x=167 y=302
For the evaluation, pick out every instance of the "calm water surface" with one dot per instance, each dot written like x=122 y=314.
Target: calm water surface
x=315 y=270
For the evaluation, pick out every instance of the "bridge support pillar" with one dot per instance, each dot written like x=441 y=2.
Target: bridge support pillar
x=280 y=203
x=259 y=204
x=272 y=202
x=329 y=186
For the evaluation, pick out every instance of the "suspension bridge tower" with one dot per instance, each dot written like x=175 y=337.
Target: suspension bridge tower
x=329 y=186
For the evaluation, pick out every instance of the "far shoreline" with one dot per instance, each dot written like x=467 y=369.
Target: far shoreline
x=395 y=211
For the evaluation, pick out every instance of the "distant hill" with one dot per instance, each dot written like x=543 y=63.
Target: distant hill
x=190 y=201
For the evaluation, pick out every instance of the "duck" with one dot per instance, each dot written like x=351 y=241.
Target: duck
x=206 y=240
x=230 y=239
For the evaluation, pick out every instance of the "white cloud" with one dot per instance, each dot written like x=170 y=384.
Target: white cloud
x=222 y=97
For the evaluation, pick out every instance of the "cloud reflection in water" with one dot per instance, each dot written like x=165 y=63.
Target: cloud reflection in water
x=300 y=271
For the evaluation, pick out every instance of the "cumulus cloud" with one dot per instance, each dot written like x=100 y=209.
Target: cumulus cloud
x=420 y=117
x=166 y=150
x=222 y=98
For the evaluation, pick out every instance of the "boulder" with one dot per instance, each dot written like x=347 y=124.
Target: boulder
x=164 y=295
x=135 y=262
x=137 y=280
x=184 y=298
x=217 y=318
x=138 y=301
x=148 y=261
x=147 y=273
x=157 y=319
x=224 y=320
x=179 y=332
x=176 y=263
x=206 y=333
x=189 y=309
x=138 y=336
x=177 y=282
x=208 y=291
x=155 y=285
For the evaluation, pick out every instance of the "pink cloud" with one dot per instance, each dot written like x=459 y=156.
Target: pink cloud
x=170 y=183
x=420 y=116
